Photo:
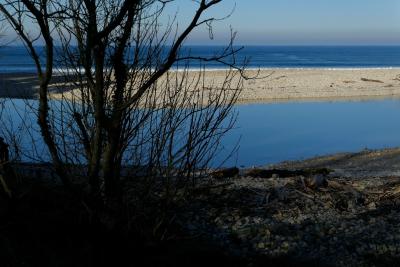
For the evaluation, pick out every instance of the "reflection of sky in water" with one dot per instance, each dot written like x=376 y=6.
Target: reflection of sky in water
x=285 y=131
x=275 y=132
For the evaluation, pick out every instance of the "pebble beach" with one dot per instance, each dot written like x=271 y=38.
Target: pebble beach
x=345 y=220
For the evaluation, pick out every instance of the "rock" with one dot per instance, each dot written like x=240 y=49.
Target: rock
x=372 y=206
x=335 y=185
x=316 y=181
x=280 y=193
x=261 y=245
x=285 y=244
x=267 y=234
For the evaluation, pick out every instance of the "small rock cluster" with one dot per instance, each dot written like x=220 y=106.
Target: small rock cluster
x=331 y=221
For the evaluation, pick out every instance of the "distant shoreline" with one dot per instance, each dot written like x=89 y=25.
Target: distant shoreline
x=262 y=69
x=208 y=69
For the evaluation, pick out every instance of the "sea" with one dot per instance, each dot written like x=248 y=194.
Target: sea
x=17 y=59
x=274 y=132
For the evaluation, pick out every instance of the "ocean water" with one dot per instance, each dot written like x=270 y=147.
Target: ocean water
x=312 y=56
x=16 y=59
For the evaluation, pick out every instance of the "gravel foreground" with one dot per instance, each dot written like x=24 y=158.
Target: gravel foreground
x=342 y=220
x=337 y=210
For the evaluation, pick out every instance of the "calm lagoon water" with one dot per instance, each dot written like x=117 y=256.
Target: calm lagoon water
x=274 y=132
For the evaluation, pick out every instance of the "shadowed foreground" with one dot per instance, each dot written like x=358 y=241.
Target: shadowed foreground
x=44 y=226
x=291 y=215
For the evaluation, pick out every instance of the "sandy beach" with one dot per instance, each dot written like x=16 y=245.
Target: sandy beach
x=292 y=84
x=271 y=84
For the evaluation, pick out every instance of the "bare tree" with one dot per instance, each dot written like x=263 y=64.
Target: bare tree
x=131 y=112
x=38 y=11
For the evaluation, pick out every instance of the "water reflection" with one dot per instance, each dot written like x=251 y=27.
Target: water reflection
x=276 y=132
x=273 y=132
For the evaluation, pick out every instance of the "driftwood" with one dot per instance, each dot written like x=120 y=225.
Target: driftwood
x=264 y=173
x=371 y=80
x=225 y=173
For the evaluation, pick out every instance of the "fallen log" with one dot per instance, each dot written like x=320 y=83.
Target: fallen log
x=225 y=173
x=371 y=80
x=265 y=173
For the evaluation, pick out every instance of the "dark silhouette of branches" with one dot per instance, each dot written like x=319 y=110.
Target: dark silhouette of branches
x=135 y=109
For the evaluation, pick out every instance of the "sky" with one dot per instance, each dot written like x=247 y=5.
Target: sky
x=294 y=22
x=301 y=22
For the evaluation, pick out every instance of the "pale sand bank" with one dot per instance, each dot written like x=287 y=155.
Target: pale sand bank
x=272 y=84
x=292 y=84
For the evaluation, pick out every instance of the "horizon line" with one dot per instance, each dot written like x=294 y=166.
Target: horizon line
x=262 y=45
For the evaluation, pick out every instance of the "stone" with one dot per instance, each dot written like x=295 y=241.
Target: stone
x=261 y=245
x=372 y=206
x=316 y=181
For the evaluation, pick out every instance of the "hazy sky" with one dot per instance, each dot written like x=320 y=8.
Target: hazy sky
x=269 y=22
x=296 y=22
